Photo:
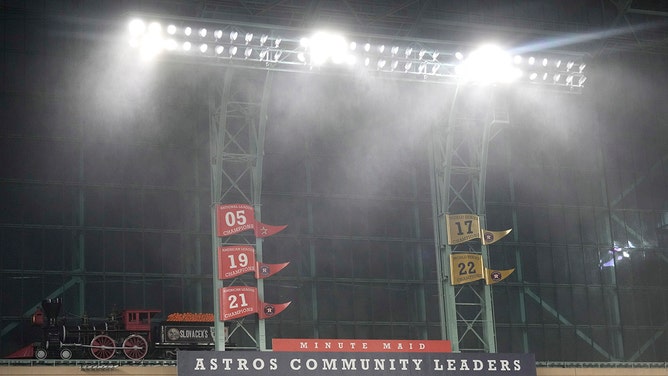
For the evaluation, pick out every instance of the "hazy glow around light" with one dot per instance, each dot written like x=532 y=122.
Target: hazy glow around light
x=486 y=65
x=325 y=46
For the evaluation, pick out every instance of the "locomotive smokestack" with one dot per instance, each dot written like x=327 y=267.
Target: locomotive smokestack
x=51 y=309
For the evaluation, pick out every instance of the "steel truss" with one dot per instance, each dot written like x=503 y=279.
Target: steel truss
x=458 y=162
x=238 y=118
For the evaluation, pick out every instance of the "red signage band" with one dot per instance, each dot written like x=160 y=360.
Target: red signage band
x=360 y=345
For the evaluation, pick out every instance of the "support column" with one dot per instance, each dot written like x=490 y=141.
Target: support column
x=238 y=118
x=458 y=162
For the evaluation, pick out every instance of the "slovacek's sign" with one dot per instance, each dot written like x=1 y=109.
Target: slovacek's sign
x=254 y=363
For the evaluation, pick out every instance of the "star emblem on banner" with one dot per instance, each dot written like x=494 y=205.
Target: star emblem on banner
x=264 y=230
x=264 y=270
x=269 y=310
x=489 y=237
x=496 y=276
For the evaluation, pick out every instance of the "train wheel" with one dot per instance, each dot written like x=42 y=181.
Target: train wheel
x=40 y=353
x=135 y=347
x=102 y=347
x=65 y=354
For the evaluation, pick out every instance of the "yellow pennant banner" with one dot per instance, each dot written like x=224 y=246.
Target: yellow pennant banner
x=466 y=267
x=494 y=276
x=489 y=237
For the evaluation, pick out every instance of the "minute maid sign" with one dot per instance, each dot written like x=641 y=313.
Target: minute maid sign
x=254 y=363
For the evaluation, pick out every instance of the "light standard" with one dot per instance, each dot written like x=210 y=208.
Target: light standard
x=269 y=48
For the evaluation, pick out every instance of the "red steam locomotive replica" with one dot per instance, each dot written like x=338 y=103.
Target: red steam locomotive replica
x=129 y=333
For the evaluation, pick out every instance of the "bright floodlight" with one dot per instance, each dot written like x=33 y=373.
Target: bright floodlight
x=486 y=65
x=147 y=38
x=137 y=27
x=325 y=46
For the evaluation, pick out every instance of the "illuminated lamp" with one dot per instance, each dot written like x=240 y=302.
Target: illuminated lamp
x=232 y=50
x=556 y=77
x=187 y=46
x=381 y=63
x=558 y=63
x=569 y=65
x=325 y=46
x=353 y=46
x=304 y=42
x=202 y=32
x=582 y=67
x=394 y=50
x=248 y=52
x=434 y=68
x=517 y=59
x=301 y=57
x=545 y=76
x=409 y=51
x=532 y=60
x=421 y=54
x=533 y=76
x=277 y=42
x=263 y=39
x=544 y=62
x=487 y=64
x=234 y=35
x=219 y=49
x=248 y=38
x=367 y=61
x=408 y=66
x=218 y=34
x=435 y=55
x=187 y=31
x=381 y=48
x=367 y=47
x=171 y=29
x=394 y=65
x=459 y=56
x=137 y=27
x=582 y=80
x=203 y=47
x=569 y=79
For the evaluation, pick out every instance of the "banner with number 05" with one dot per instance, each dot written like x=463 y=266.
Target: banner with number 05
x=232 y=219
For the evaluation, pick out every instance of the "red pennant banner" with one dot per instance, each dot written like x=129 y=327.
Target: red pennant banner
x=240 y=301
x=268 y=310
x=267 y=270
x=234 y=261
x=232 y=219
